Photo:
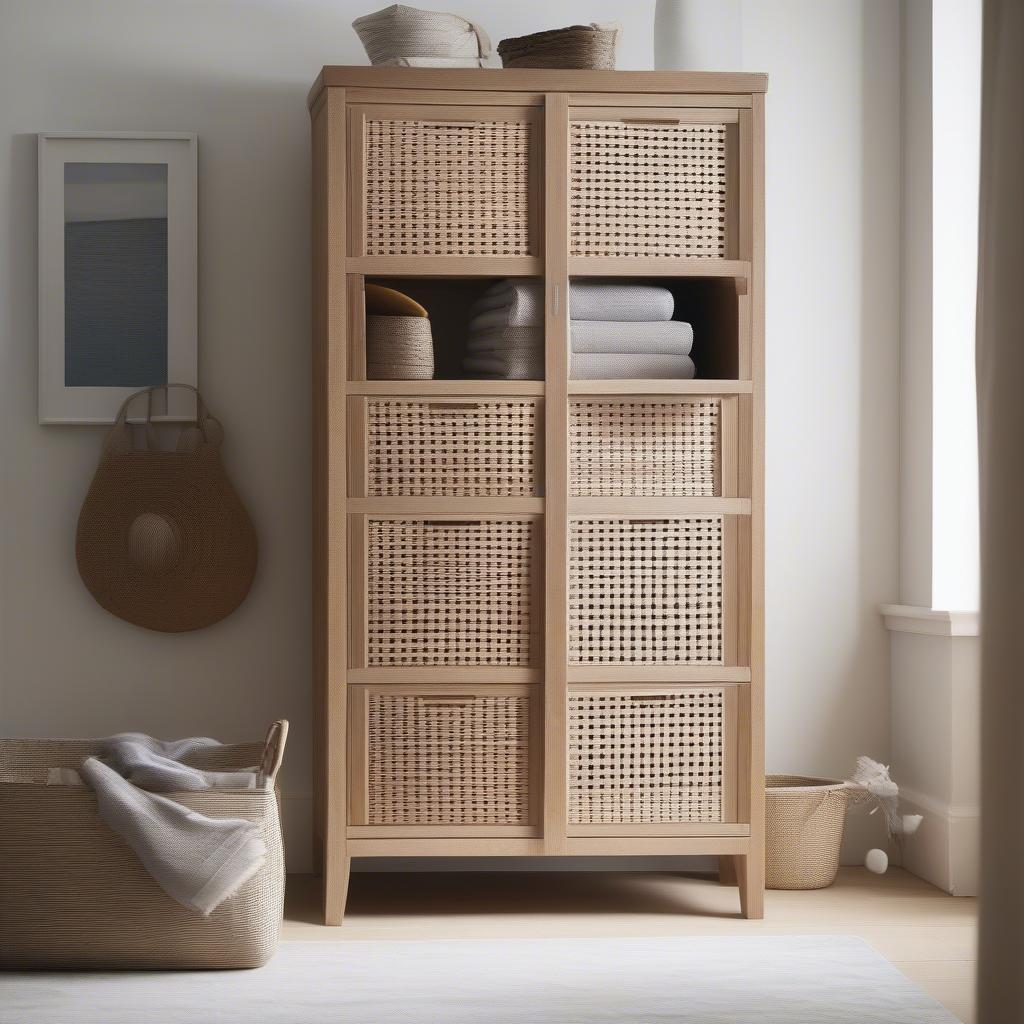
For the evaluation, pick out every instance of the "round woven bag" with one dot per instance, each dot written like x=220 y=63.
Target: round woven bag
x=804 y=821
x=163 y=540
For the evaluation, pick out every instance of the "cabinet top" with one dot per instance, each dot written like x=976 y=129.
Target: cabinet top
x=537 y=80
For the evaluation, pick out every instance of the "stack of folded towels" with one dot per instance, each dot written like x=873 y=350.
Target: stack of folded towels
x=617 y=330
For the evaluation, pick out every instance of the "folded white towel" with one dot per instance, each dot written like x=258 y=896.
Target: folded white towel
x=670 y=337
x=620 y=366
x=617 y=300
x=197 y=860
x=519 y=302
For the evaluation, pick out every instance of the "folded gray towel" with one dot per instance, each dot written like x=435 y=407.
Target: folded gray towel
x=197 y=860
x=671 y=337
x=512 y=338
x=621 y=366
x=507 y=366
x=519 y=302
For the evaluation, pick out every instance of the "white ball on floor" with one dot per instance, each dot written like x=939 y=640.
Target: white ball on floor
x=877 y=861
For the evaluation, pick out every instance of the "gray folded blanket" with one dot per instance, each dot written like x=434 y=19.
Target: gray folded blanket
x=671 y=337
x=622 y=366
x=519 y=302
x=197 y=860
x=507 y=365
x=516 y=339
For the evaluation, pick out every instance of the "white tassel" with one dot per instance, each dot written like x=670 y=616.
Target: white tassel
x=872 y=778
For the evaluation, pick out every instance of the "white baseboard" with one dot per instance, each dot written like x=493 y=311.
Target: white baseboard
x=945 y=849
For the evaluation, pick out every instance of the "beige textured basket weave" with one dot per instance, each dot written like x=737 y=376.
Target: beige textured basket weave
x=646 y=757
x=399 y=348
x=804 y=820
x=438 y=759
x=400 y=36
x=73 y=894
x=578 y=46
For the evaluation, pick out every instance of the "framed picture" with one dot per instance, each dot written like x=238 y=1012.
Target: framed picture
x=117 y=272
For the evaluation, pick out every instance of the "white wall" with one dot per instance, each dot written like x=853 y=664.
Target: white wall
x=237 y=72
x=935 y=676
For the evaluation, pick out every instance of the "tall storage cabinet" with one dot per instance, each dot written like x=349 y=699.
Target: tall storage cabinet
x=538 y=607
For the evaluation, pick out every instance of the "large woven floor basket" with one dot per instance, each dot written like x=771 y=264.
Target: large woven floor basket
x=73 y=894
x=804 y=821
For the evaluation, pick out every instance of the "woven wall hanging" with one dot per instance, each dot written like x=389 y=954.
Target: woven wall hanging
x=163 y=540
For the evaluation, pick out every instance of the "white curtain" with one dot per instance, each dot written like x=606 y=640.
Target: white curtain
x=1001 y=440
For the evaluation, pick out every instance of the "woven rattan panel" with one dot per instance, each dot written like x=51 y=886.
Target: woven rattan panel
x=647 y=190
x=451 y=449
x=641 y=758
x=447 y=189
x=633 y=448
x=448 y=593
x=645 y=592
x=447 y=761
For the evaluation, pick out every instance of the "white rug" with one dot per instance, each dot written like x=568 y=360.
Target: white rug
x=820 y=979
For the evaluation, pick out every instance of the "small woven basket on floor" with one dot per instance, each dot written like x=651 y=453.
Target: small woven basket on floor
x=399 y=348
x=400 y=36
x=74 y=894
x=578 y=46
x=804 y=820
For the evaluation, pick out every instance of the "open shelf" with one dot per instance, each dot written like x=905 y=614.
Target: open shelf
x=639 y=266
x=449 y=387
x=712 y=306
x=660 y=387
x=449 y=302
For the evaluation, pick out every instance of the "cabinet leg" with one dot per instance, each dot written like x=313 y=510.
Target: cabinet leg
x=336 y=874
x=727 y=870
x=750 y=872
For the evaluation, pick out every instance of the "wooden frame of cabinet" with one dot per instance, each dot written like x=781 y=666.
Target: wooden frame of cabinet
x=549 y=102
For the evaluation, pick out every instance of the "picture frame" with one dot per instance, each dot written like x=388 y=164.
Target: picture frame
x=118 y=278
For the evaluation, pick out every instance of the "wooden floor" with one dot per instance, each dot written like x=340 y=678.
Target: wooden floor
x=925 y=933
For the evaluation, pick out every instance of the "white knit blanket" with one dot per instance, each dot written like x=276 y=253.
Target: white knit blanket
x=671 y=337
x=623 y=366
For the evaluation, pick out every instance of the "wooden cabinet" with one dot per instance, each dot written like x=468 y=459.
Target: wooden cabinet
x=538 y=603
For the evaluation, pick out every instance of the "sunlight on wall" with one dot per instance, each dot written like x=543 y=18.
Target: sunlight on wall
x=956 y=126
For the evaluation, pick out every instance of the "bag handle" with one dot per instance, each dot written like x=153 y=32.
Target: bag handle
x=273 y=751
x=209 y=426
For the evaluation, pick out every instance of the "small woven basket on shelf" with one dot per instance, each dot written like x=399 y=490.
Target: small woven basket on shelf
x=804 y=820
x=399 y=348
x=400 y=36
x=590 y=47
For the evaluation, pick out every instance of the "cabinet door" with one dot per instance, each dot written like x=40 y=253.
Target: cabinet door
x=651 y=756
x=443 y=757
x=445 y=181
x=446 y=594
x=650 y=183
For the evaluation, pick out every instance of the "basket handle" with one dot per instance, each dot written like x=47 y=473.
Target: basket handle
x=209 y=425
x=483 y=40
x=844 y=794
x=652 y=120
x=273 y=751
